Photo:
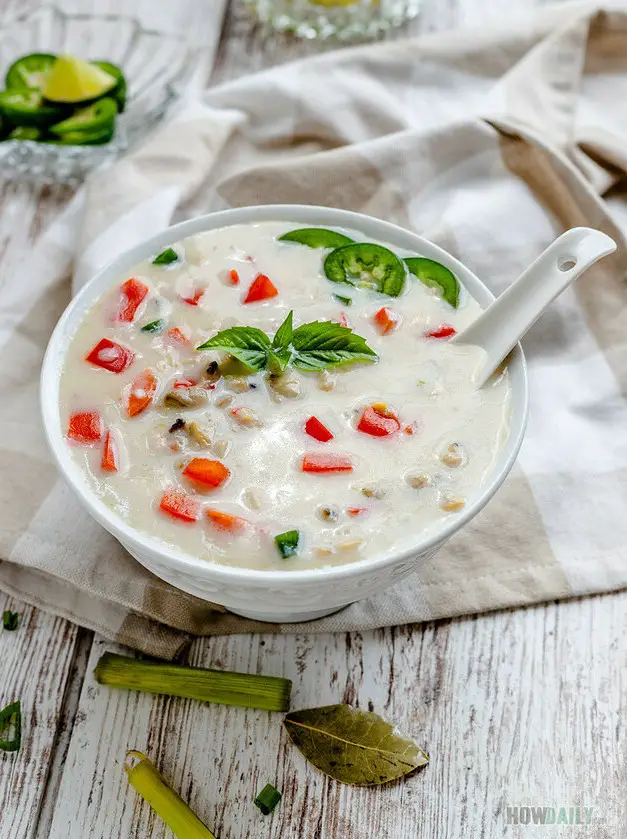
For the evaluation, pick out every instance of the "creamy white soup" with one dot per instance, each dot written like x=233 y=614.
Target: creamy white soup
x=330 y=419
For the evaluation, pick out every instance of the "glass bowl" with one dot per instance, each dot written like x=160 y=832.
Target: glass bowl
x=157 y=65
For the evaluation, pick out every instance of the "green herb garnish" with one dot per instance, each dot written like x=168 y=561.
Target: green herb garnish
x=267 y=799
x=153 y=788
x=313 y=346
x=11 y=718
x=347 y=301
x=154 y=326
x=10 y=620
x=226 y=688
x=353 y=746
x=166 y=257
x=287 y=543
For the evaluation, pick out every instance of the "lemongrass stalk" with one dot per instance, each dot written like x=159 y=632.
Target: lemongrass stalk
x=227 y=688
x=150 y=784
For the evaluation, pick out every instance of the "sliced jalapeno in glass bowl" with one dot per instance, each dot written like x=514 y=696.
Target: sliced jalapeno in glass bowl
x=29 y=70
x=95 y=117
x=26 y=106
x=366 y=265
x=435 y=275
x=316 y=237
x=119 y=91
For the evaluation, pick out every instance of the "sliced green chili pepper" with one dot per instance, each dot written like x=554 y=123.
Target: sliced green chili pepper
x=166 y=257
x=267 y=799
x=98 y=116
x=435 y=275
x=26 y=106
x=287 y=543
x=11 y=716
x=153 y=326
x=347 y=301
x=371 y=266
x=316 y=237
x=119 y=91
x=84 y=138
x=25 y=132
x=30 y=70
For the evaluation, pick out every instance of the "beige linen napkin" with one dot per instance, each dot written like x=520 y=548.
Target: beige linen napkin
x=488 y=142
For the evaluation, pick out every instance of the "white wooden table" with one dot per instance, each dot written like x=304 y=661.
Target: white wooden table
x=517 y=709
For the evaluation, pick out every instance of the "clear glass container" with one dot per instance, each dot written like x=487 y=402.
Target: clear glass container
x=157 y=66
x=341 y=19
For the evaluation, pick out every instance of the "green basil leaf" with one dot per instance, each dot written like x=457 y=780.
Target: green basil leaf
x=322 y=344
x=278 y=361
x=166 y=257
x=283 y=335
x=245 y=343
x=353 y=746
x=11 y=718
x=10 y=620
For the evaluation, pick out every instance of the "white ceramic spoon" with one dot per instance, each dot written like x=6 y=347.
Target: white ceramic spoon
x=499 y=328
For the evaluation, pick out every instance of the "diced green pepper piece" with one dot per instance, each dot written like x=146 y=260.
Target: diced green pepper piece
x=10 y=620
x=30 y=70
x=98 y=116
x=153 y=326
x=166 y=257
x=84 y=138
x=366 y=264
x=347 y=301
x=316 y=237
x=287 y=543
x=267 y=799
x=435 y=275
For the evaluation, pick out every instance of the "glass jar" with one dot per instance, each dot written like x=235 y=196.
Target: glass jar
x=341 y=19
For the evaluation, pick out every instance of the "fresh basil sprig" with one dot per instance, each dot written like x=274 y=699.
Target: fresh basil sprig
x=313 y=346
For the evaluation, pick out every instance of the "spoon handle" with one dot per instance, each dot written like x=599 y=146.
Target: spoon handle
x=499 y=328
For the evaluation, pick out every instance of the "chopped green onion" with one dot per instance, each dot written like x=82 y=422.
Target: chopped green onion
x=153 y=788
x=11 y=717
x=347 y=301
x=166 y=257
x=287 y=543
x=270 y=693
x=154 y=326
x=10 y=620
x=267 y=799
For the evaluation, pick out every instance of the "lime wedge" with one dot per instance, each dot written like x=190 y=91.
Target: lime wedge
x=74 y=80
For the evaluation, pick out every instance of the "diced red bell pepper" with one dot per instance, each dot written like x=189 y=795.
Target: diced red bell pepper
x=141 y=394
x=377 y=424
x=386 y=320
x=209 y=473
x=356 y=511
x=317 y=430
x=193 y=298
x=326 y=463
x=175 y=336
x=185 y=383
x=110 y=356
x=233 y=277
x=132 y=293
x=445 y=330
x=225 y=521
x=262 y=288
x=109 y=461
x=179 y=505
x=85 y=427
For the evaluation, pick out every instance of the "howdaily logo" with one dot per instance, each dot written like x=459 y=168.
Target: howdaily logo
x=550 y=815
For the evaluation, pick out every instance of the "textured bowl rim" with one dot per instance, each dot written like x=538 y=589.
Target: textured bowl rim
x=297 y=213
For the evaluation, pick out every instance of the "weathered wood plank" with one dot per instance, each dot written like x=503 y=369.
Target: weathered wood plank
x=507 y=704
x=35 y=662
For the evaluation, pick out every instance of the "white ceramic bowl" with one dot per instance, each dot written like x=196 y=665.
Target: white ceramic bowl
x=270 y=595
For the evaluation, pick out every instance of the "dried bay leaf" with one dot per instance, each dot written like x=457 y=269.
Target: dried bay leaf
x=353 y=746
